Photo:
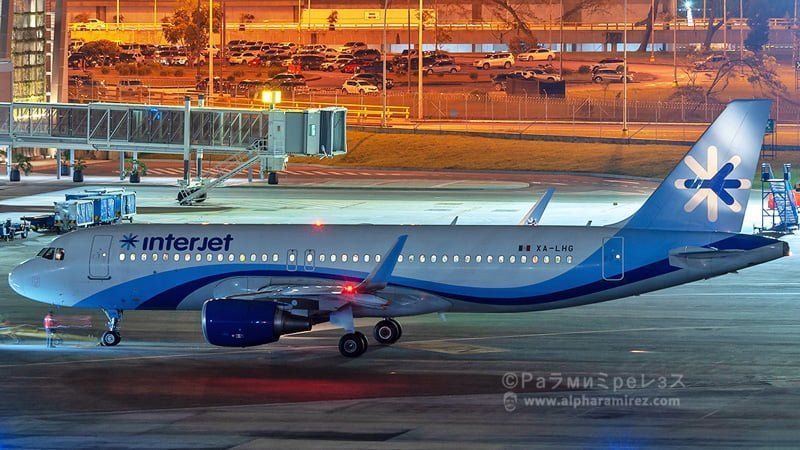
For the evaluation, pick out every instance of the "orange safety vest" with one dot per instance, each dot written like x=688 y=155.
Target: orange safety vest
x=49 y=322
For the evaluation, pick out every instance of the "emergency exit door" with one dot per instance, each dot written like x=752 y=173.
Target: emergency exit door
x=613 y=258
x=99 y=257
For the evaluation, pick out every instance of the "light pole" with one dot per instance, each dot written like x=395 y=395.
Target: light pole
x=652 y=31
x=299 y=22
x=419 y=66
x=561 y=40
x=210 y=50
x=625 y=70
x=724 y=26
x=675 y=46
x=117 y=17
x=155 y=13
x=741 y=33
x=383 y=50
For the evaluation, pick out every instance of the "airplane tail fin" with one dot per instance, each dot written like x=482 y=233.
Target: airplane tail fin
x=709 y=188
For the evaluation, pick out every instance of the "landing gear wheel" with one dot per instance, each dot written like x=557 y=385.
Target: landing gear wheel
x=353 y=345
x=110 y=338
x=387 y=331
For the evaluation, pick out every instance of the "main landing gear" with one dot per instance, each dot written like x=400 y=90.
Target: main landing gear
x=112 y=337
x=386 y=332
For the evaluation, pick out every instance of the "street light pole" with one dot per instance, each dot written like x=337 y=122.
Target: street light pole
x=299 y=22
x=561 y=40
x=385 y=53
x=741 y=32
x=675 y=45
x=652 y=31
x=117 y=17
x=724 y=26
x=210 y=50
x=419 y=66
x=155 y=13
x=625 y=70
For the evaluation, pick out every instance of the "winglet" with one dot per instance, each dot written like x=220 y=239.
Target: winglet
x=379 y=277
x=455 y=220
x=534 y=215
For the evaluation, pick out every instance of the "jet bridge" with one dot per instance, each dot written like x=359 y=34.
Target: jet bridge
x=265 y=136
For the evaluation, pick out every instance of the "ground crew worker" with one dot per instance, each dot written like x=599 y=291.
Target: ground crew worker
x=49 y=329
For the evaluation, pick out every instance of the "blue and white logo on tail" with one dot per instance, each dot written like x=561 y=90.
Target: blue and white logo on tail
x=710 y=187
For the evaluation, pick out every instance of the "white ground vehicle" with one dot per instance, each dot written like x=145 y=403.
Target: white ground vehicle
x=358 y=87
x=495 y=60
x=132 y=87
x=90 y=25
x=538 y=54
x=609 y=76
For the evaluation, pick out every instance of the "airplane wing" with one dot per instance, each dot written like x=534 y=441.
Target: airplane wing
x=333 y=297
x=534 y=215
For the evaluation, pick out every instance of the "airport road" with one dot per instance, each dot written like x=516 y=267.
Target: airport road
x=723 y=354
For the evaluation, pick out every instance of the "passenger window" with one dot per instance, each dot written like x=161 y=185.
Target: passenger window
x=333 y=257
x=198 y=257
x=291 y=257
x=366 y=258
x=546 y=259
x=242 y=258
x=466 y=259
x=422 y=258
x=433 y=258
x=523 y=259
x=400 y=258
x=187 y=257
x=274 y=257
x=310 y=257
x=231 y=257
x=535 y=259
x=177 y=257
x=344 y=257
x=209 y=257
x=165 y=257
x=355 y=258
x=121 y=256
x=378 y=258
x=512 y=259
x=569 y=259
x=144 y=257
x=501 y=259
x=252 y=257
x=478 y=258
x=410 y=258
x=455 y=258
x=321 y=257
x=558 y=259
x=264 y=257
x=220 y=257
x=444 y=258
x=489 y=259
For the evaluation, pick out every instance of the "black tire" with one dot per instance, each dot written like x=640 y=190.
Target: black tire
x=453 y=70
x=110 y=338
x=549 y=57
x=498 y=86
x=330 y=68
x=598 y=79
x=430 y=71
x=362 y=91
x=387 y=331
x=379 y=86
x=351 y=345
x=344 y=91
x=507 y=65
x=486 y=66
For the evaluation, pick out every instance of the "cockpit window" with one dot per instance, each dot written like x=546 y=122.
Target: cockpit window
x=52 y=253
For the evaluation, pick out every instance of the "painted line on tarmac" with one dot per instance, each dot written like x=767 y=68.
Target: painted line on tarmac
x=128 y=358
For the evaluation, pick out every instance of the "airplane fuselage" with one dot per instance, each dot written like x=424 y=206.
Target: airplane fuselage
x=441 y=268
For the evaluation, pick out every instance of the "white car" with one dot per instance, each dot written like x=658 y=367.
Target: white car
x=242 y=58
x=132 y=87
x=538 y=54
x=90 y=25
x=358 y=87
x=495 y=60
x=538 y=74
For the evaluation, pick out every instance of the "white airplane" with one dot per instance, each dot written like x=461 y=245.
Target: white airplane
x=255 y=283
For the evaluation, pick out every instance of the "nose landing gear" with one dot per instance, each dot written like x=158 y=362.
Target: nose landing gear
x=112 y=337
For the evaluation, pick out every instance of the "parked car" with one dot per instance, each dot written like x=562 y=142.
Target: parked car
x=500 y=80
x=495 y=60
x=287 y=81
x=79 y=60
x=89 y=25
x=617 y=64
x=367 y=54
x=242 y=58
x=358 y=87
x=538 y=73
x=374 y=67
x=374 y=78
x=352 y=47
x=337 y=63
x=610 y=76
x=309 y=62
x=402 y=66
x=712 y=62
x=537 y=54
x=250 y=88
x=132 y=87
x=442 y=66
x=353 y=65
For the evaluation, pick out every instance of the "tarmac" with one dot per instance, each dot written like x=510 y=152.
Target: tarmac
x=713 y=364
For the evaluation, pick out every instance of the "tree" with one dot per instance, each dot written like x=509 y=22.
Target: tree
x=332 y=19
x=188 y=26
x=760 y=71
x=101 y=49
x=649 y=30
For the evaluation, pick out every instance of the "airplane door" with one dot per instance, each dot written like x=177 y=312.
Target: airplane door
x=308 y=262
x=613 y=258
x=291 y=260
x=99 y=257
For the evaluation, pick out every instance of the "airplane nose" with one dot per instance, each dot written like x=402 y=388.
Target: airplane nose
x=15 y=280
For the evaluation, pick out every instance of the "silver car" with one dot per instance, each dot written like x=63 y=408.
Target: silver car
x=443 y=66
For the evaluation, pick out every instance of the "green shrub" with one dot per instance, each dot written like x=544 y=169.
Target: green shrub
x=238 y=73
x=105 y=70
x=178 y=72
x=163 y=73
x=231 y=78
x=473 y=75
x=584 y=69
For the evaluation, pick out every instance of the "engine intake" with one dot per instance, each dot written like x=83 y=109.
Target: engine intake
x=245 y=323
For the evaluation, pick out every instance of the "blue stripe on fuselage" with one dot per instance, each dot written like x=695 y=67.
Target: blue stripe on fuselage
x=188 y=280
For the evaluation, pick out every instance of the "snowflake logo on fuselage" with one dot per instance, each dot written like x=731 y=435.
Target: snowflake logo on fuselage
x=129 y=241
x=712 y=184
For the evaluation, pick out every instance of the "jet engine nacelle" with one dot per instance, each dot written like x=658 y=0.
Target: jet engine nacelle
x=245 y=323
